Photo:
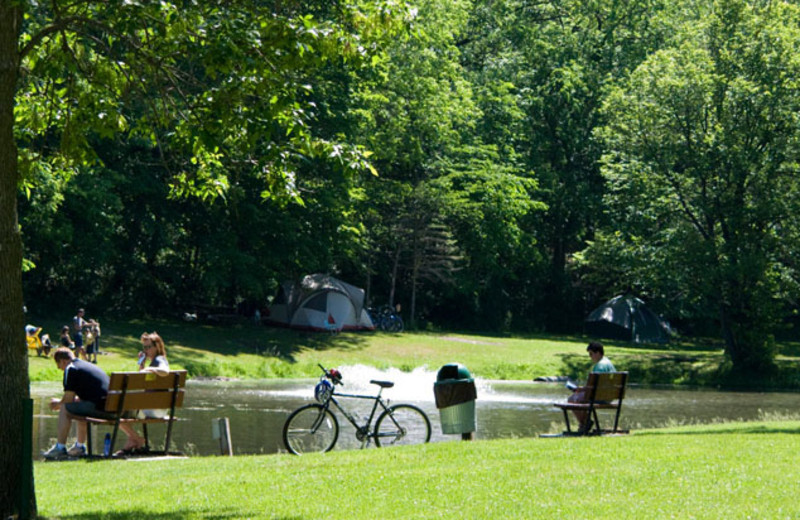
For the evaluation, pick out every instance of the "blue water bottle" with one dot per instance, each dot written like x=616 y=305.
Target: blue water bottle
x=107 y=445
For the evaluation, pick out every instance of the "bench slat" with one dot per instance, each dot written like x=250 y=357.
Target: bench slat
x=143 y=400
x=145 y=380
x=140 y=391
x=611 y=387
x=112 y=420
x=586 y=406
x=603 y=391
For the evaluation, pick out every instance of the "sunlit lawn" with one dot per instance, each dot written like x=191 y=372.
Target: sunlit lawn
x=742 y=470
x=718 y=471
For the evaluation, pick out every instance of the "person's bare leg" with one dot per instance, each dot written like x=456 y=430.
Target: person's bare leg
x=134 y=439
x=580 y=415
x=64 y=424
x=81 y=429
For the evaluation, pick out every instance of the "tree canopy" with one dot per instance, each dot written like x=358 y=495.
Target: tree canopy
x=499 y=166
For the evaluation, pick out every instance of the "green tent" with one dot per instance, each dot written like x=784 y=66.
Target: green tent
x=626 y=317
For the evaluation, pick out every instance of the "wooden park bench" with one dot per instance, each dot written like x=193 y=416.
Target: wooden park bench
x=604 y=391
x=133 y=391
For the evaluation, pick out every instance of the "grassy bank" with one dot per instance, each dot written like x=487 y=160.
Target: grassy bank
x=248 y=351
x=742 y=470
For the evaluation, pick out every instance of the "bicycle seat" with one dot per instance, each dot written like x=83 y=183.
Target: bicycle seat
x=382 y=384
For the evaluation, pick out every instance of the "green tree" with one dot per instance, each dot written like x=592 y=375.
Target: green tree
x=557 y=58
x=489 y=207
x=443 y=217
x=209 y=89
x=411 y=111
x=702 y=168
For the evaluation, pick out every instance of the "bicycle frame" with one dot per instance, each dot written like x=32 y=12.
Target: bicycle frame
x=364 y=430
x=395 y=424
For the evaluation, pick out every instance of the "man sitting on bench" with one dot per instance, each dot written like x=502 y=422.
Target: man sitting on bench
x=85 y=391
x=580 y=393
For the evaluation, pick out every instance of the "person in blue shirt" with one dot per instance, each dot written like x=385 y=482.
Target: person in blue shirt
x=580 y=394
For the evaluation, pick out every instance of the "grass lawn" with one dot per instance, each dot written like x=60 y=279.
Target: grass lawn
x=741 y=470
x=738 y=470
x=247 y=351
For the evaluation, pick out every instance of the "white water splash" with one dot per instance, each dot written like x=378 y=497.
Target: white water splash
x=417 y=385
x=414 y=386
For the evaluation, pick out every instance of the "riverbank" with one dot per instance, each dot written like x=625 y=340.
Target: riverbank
x=736 y=470
x=246 y=351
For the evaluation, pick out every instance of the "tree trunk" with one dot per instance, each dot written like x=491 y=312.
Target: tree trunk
x=746 y=331
x=731 y=341
x=14 y=384
x=415 y=262
x=395 y=269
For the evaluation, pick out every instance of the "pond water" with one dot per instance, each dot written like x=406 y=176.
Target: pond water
x=505 y=409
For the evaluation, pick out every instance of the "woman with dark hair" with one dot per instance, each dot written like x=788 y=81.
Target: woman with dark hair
x=66 y=341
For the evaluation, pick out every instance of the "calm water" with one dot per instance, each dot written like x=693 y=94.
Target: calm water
x=258 y=409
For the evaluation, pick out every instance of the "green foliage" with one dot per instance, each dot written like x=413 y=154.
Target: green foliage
x=542 y=71
x=453 y=157
x=210 y=103
x=701 y=150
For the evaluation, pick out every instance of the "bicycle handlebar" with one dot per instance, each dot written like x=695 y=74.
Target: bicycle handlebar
x=334 y=375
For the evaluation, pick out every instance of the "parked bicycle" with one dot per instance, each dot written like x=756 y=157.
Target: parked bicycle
x=315 y=428
x=386 y=318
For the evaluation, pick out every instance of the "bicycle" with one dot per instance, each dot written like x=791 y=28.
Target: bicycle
x=315 y=428
x=386 y=318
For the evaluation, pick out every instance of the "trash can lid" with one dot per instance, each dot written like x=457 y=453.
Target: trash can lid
x=453 y=371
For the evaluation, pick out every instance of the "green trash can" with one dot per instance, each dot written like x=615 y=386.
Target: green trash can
x=455 y=394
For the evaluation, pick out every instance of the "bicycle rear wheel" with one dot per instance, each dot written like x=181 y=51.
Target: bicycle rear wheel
x=310 y=428
x=392 y=323
x=402 y=424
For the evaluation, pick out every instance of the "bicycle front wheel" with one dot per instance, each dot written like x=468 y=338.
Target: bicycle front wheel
x=402 y=424
x=311 y=428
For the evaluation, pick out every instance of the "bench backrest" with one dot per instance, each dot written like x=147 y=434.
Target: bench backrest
x=145 y=390
x=607 y=386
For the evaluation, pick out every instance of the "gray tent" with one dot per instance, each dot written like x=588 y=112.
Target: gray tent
x=627 y=318
x=320 y=302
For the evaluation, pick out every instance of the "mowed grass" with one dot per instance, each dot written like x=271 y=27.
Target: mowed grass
x=248 y=351
x=245 y=351
x=737 y=470
x=741 y=470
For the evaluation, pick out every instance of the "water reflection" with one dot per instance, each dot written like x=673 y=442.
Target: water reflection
x=258 y=409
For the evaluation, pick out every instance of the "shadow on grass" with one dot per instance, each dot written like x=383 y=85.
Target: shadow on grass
x=682 y=345
x=235 y=339
x=680 y=368
x=789 y=349
x=743 y=429
x=175 y=515
x=686 y=369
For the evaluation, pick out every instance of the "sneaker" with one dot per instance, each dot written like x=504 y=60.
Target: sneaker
x=55 y=453
x=587 y=427
x=77 y=451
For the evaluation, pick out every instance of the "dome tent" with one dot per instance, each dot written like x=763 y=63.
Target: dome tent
x=627 y=318
x=320 y=302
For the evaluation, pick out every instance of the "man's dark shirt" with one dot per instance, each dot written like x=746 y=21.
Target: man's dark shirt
x=88 y=381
